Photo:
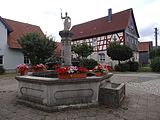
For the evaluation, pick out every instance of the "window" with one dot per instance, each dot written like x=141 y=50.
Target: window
x=1 y=60
x=26 y=60
x=101 y=57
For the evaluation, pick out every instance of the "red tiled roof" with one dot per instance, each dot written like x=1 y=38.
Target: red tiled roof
x=102 y=26
x=20 y=29
x=144 y=46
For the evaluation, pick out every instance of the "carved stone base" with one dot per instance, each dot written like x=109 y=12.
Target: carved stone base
x=53 y=93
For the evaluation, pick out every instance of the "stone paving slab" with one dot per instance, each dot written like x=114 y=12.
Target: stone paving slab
x=139 y=104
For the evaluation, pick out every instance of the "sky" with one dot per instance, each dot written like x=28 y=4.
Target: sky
x=47 y=13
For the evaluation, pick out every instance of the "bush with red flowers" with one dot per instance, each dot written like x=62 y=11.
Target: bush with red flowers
x=39 y=68
x=22 y=69
x=100 y=68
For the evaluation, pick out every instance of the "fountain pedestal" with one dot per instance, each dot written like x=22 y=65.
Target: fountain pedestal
x=66 y=47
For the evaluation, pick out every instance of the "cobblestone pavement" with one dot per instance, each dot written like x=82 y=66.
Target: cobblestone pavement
x=142 y=102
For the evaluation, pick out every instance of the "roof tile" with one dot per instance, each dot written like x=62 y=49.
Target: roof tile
x=20 y=29
x=144 y=46
x=102 y=26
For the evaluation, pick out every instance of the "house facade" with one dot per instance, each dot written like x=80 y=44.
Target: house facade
x=10 y=50
x=99 y=33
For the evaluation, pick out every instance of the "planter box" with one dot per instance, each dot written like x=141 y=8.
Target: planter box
x=52 y=94
x=112 y=94
x=69 y=76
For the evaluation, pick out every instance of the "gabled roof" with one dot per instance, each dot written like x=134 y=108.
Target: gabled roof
x=20 y=29
x=9 y=29
x=102 y=26
x=145 y=46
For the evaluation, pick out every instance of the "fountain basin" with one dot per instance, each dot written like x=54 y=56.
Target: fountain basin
x=52 y=94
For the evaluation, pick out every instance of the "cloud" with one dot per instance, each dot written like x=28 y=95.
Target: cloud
x=147 y=30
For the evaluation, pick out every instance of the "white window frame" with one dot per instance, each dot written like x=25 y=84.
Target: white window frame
x=101 y=57
x=26 y=59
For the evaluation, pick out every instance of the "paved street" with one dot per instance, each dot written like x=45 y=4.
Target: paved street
x=142 y=102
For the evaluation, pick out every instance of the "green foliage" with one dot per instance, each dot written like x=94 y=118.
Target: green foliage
x=82 y=50
x=155 y=64
x=2 y=70
x=52 y=62
x=134 y=66
x=119 y=52
x=124 y=67
x=128 y=66
x=154 y=53
x=36 y=47
x=76 y=62
x=88 y=63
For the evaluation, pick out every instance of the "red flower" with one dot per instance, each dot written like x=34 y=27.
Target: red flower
x=62 y=70
x=82 y=69
x=22 y=68
x=99 y=68
x=39 y=67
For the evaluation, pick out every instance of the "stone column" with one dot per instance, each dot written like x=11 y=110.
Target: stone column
x=66 y=47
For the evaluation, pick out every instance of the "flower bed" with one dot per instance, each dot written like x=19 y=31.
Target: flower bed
x=72 y=72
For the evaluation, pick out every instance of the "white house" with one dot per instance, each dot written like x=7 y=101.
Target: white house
x=10 y=53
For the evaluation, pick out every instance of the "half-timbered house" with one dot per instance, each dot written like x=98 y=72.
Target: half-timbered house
x=99 y=33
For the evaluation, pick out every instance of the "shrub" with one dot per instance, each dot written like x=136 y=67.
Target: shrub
x=124 y=67
x=88 y=63
x=154 y=53
x=133 y=66
x=76 y=62
x=2 y=70
x=155 y=64
x=117 y=68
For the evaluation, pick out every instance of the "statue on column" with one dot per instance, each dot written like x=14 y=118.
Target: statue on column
x=67 y=22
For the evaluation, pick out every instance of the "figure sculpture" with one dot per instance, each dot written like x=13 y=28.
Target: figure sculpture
x=67 y=22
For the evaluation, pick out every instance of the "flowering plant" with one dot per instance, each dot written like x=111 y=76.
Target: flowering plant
x=71 y=70
x=39 y=67
x=22 y=68
x=100 y=68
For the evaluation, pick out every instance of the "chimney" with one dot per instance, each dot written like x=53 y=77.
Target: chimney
x=109 y=15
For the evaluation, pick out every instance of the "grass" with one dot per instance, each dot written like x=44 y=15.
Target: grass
x=8 y=75
x=145 y=69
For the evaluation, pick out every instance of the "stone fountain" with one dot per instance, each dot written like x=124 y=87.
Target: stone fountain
x=53 y=94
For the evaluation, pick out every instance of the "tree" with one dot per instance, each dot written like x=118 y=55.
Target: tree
x=82 y=50
x=155 y=64
x=154 y=53
x=36 y=47
x=119 y=52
